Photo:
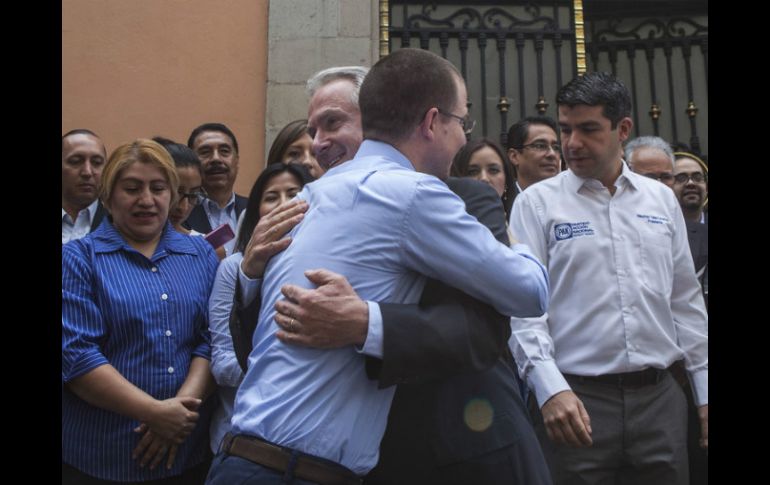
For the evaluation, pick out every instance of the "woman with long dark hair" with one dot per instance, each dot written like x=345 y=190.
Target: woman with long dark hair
x=483 y=160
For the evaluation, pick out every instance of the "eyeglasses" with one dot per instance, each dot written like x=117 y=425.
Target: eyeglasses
x=541 y=146
x=665 y=177
x=193 y=198
x=467 y=123
x=683 y=178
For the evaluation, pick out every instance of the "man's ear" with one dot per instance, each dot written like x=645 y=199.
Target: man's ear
x=513 y=157
x=624 y=128
x=428 y=124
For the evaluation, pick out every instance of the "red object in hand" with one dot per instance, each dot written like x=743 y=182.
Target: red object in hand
x=220 y=235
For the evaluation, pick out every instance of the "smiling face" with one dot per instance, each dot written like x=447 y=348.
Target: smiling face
x=301 y=153
x=139 y=203
x=218 y=158
x=691 y=194
x=334 y=123
x=82 y=159
x=590 y=145
x=532 y=162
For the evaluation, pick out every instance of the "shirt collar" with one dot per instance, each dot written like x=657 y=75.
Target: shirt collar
x=91 y=211
x=575 y=183
x=377 y=150
x=107 y=239
x=214 y=206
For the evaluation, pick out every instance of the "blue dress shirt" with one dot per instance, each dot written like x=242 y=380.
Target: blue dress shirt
x=145 y=317
x=383 y=226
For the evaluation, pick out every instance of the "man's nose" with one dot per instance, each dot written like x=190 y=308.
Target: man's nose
x=320 y=143
x=572 y=141
x=88 y=170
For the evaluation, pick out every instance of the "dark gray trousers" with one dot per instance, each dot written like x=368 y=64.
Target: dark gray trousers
x=639 y=437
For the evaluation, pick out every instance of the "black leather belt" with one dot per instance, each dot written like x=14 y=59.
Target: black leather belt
x=646 y=377
x=306 y=467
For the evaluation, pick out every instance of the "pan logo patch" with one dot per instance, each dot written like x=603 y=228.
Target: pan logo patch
x=568 y=230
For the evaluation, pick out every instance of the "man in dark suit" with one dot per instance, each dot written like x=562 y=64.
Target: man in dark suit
x=457 y=415
x=217 y=149
x=454 y=423
x=82 y=158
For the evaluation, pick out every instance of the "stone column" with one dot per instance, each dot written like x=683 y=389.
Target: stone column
x=305 y=36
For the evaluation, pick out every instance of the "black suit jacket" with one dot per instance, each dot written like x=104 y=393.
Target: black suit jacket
x=446 y=353
x=698 y=237
x=98 y=216
x=200 y=222
x=448 y=331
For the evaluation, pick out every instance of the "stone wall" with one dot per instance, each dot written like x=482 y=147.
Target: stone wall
x=305 y=36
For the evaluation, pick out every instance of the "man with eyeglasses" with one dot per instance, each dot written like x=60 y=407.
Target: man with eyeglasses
x=625 y=305
x=690 y=186
x=652 y=157
x=338 y=414
x=533 y=150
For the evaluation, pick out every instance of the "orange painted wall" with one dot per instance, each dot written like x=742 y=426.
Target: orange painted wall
x=142 y=68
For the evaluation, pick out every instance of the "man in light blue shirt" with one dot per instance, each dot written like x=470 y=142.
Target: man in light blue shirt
x=385 y=226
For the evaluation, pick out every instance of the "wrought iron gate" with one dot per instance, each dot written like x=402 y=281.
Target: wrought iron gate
x=515 y=55
x=486 y=43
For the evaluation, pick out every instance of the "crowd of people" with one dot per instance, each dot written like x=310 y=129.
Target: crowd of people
x=395 y=301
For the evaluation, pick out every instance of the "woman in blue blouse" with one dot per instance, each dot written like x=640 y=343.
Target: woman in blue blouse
x=135 y=346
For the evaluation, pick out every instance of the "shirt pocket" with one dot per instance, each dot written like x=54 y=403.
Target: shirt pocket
x=657 y=264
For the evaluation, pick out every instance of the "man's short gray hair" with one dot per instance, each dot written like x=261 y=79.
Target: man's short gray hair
x=648 y=142
x=354 y=74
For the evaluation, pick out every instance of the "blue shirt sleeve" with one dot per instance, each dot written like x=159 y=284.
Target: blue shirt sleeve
x=224 y=364
x=441 y=240
x=82 y=323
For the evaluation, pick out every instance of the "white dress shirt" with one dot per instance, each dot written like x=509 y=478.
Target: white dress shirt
x=624 y=296
x=71 y=230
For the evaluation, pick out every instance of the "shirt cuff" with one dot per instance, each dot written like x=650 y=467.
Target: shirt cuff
x=229 y=247
x=203 y=350
x=86 y=362
x=373 y=345
x=699 y=381
x=249 y=287
x=546 y=380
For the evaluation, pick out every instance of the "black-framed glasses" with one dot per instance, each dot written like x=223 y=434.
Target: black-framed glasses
x=466 y=122
x=665 y=177
x=541 y=146
x=193 y=198
x=683 y=178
